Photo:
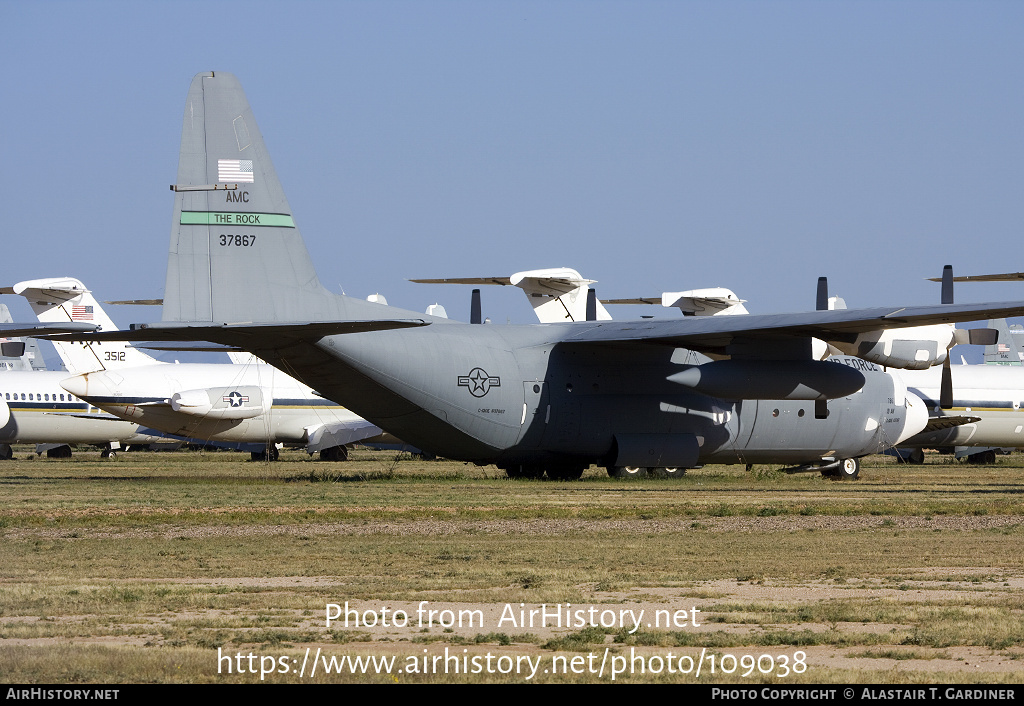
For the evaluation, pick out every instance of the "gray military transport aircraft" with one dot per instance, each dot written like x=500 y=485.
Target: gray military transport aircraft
x=554 y=398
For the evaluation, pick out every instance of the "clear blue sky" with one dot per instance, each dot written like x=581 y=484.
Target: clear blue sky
x=651 y=145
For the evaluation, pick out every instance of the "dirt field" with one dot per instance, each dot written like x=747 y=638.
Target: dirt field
x=206 y=567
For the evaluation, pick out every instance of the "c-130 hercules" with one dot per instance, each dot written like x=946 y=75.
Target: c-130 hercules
x=554 y=398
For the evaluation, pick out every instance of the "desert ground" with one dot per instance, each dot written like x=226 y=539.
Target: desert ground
x=207 y=567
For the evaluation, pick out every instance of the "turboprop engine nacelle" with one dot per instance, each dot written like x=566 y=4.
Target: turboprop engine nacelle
x=222 y=402
x=771 y=379
x=929 y=345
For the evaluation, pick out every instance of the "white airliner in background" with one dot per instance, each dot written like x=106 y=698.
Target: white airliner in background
x=250 y=402
x=35 y=409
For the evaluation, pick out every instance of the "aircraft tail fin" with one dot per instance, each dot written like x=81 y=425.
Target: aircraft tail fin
x=232 y=224
x=1008 y=348
x=558 y=294
x=18 y=353
x=64 y=299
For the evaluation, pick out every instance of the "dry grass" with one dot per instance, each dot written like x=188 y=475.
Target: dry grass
x=899 y=577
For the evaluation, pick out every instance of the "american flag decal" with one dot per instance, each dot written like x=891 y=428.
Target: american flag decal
x=232 y=170
x=81 y=313
x=1003 y=348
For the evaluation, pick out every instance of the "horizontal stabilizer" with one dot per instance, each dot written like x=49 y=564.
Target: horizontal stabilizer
x=504 y=281
x=711 y=301
x=339 y=434
x=1005 y=277
x=245 y=335
x=556 y=294
x=635 y=300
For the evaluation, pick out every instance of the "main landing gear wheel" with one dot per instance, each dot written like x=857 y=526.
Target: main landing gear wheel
x=59 y=452
x=108 y=453
x=334 y=453
x=849 y=469
x=627 y=471
x=985 y=458
x=669 y=472
x=524 y=472
x=570 y=473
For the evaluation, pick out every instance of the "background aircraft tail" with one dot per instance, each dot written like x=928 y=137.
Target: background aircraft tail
x=63 y=299
x=236 y=253
x=1009 y=348
x=18 y=353
x=556 y=294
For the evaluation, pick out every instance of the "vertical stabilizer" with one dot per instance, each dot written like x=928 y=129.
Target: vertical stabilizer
x=1008 y=348
x=558 y=294
x=236 y=254
x=64 y=299
x=18 y=353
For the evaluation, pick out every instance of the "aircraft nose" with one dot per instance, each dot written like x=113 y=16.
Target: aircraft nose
x=916 y=418
x=79 y=385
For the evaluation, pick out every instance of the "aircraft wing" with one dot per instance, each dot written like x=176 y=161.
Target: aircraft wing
x=195 y=348
x=715 y=333
x=102 y=416
x=44 y=329
x=939 y=423
x=272 y=335
x=708 y=333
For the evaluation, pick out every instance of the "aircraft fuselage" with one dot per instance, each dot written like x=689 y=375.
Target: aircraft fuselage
x=34 y=408
x=515 y=395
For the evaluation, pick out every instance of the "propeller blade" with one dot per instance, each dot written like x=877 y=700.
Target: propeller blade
x=474 y=309
x=946 y=386
x=822 y=300
x=947 y=284
x=591 y=305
